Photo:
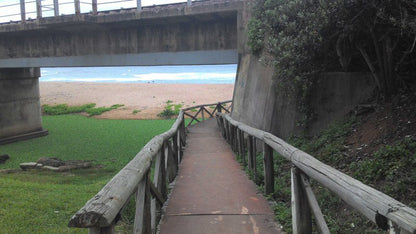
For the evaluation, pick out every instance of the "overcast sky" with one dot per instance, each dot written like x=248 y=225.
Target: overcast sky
x=67 y=7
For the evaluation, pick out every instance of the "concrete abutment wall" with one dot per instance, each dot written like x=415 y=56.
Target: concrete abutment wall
x=20 y=113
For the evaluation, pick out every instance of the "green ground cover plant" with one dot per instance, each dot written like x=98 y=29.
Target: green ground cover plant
x=170 y=110
x=90 y=108
x=43 y=202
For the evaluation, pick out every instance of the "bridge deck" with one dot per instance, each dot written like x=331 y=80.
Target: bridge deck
x=212 y=193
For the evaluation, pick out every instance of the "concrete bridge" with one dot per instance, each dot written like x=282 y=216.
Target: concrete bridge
x=204 y=32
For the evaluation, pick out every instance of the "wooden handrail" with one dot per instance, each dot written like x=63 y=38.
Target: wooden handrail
x=378 y=207
x=100 y=213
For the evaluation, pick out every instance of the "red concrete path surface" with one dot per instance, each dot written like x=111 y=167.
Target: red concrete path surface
x=212 y=194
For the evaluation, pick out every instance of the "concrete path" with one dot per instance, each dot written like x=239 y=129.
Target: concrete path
x=212 y=194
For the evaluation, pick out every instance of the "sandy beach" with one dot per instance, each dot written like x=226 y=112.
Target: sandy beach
x=148 y=99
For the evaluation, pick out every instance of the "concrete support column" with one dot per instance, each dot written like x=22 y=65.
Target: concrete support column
x=20 y=113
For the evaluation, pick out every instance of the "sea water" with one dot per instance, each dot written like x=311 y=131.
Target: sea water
x=206 y=74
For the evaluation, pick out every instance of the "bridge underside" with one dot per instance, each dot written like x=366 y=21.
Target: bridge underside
x=204 y=33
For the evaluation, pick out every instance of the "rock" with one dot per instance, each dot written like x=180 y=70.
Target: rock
x=51 y=168
x=53 y=162
x=28 y=165
x=4 y=158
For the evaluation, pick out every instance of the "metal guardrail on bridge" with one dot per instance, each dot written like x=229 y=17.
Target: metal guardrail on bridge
x=38 y=8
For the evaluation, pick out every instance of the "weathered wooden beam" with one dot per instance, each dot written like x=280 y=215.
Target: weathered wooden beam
x=160 y=173
x=171 y=163
x=301 y=214
x=313 y=204
x=268 y=169
x=242 y=150
x=193 y=118
x=22 y=11
x=142 y=216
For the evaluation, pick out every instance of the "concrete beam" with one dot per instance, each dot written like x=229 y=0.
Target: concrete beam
x=145 y=59
x=20 y=113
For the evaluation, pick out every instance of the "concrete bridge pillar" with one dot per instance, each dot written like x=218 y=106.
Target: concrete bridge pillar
x=20 y=113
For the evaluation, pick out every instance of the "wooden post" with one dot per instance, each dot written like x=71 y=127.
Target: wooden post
x=219 y=109
x=179 y=146
x=250 y=152
x=241 y=145
x=171 y=165
x=77 y=7
x=94 y=7
x=254 y=148
x=22 y=11
x=139 y=5
x=301 y=213
x=268 y=168
x=39 y=8
x=56 y=7
x=202 y=113
x=142 y=218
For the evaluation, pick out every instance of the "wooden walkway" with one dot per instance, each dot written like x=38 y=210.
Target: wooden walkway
x=212 y=193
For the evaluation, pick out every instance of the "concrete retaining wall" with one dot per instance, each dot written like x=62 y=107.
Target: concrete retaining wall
x=266 y=103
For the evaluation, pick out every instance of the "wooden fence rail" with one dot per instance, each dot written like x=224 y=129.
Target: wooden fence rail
x=386 y=212
x=101 y=213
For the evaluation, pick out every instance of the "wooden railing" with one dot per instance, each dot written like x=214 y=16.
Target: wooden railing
x=197 y=112
x=101 y=213
x=386 y=212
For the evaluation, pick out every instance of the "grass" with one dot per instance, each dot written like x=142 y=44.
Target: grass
x=43 y=202
x=136 y=111
x=170 y=110
x=63 y=109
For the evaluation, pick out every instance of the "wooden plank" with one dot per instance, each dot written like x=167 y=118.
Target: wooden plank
x=39 y=9
x=301 y=214
x=142 y=215
x=94 y=7
x=313 y=204
x=209 y=113
x=268 y=169
x=193 y=118
x=179 y=146
x=77 y=6
x=368 y=201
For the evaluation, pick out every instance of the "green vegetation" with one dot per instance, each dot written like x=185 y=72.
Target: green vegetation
x=43 y=202
x=390 y=170
x=170 y=110
x=302 y=38
x=63 y=109
x=136 y=111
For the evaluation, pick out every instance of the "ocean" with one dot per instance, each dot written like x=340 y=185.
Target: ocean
x=204 y=74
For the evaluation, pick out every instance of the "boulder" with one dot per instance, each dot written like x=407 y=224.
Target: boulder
x=4 y=158
x=28 y=165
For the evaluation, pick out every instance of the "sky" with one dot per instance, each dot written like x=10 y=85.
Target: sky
x=66 y=7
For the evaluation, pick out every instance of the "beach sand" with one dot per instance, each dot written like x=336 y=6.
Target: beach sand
x=147 y=98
